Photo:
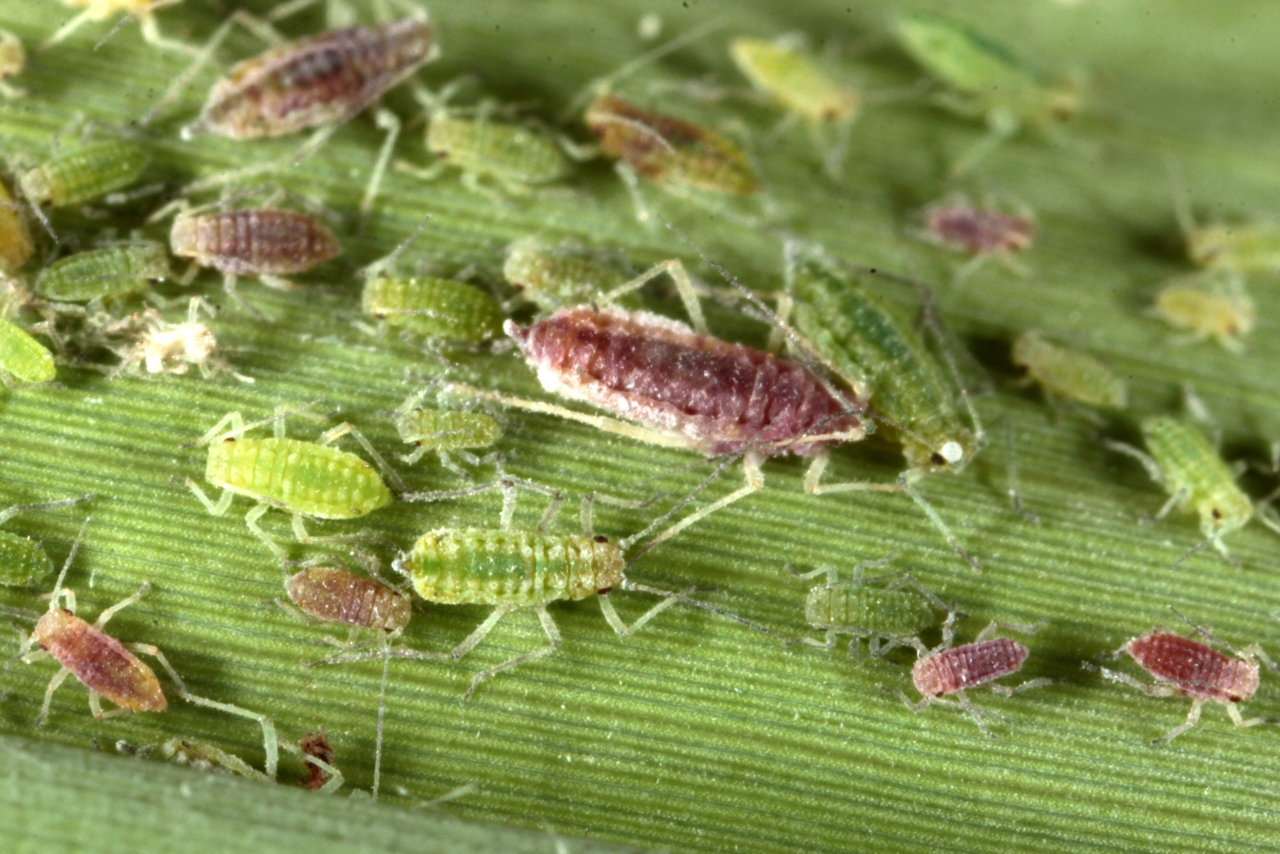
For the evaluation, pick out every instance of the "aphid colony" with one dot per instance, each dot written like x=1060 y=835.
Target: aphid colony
x=854 y=363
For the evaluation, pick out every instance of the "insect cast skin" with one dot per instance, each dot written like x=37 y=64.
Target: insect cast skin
x=952 y=670
x=305 y=479
x=1183 y=667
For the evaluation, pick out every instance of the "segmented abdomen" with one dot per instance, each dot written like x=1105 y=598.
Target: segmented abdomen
x=340 y=597
x=723 y=397
x=967 y=666
x=488 y=567
x=886 y=612
x=253 y=241
x=100 y=662
x=1195 y=669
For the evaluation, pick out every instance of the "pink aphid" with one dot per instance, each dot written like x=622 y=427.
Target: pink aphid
x=952 y=670
x=1183 y=667
x=711 y=395
x=981 y=232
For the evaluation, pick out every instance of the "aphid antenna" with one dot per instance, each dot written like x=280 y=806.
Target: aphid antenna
x=376 y=267
x=10 y=512
x=602 y=84
x=57 y=587
x=683 y=596
x=1015 y=494
x=1200 y=546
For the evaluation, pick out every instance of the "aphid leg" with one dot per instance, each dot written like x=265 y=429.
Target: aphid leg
x=631 y=181
x=1193 y=717
x=976 y=712
x=907 y=483
x=54 y=684
x=387 y=121
x=269 y=739
x=1015 y=494
x=684 y=286
x=813 y=480
x=548 y=626
x=751 y=462
x=1021 y=628
x=1010 y=690
x=329 y=437
x=621 y=628
x=251 y=520
x=1234 y=711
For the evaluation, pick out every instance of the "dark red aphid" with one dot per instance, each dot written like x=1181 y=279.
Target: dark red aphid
x=1184 y=667
x=952 y=670
x=717 y=397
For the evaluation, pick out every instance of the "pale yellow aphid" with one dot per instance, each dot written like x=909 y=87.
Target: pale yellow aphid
x=13 y=58
x=1207 y=306
x=1068 y=374
x=100 y=10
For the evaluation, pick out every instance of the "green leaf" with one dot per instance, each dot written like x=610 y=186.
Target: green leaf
x=695 y=734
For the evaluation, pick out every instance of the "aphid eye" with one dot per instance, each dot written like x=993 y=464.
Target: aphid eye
x=1217 y=514
x=229 y=439
x=604 y=591
x=937 y=459
x=602 y=539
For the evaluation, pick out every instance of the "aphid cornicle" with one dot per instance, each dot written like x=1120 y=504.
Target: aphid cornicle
x=1208 y=305
x=877 y=609
x=983 y=232
x=447 y=432
x=110 y=668
x=1181 y=459
x=23 y=359
x=990 y=82
x=554 y=276
x=781 y=70
x=23 y=561
x=114 y=270
x=305 y=479
x=953 y=670
x=1068 y=374
x=1183 y=667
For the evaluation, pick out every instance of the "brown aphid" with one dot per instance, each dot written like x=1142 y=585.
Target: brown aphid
x=316 y=745
x=309 y=83
x=1183 y=667
x=337 y=596
x=952 y=670
x=981 y=232
x=262 y=242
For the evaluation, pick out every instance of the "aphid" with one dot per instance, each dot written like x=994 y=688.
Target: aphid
x=1191 y=470
x=1183 y=667
x=953 y=670
x=109 y=668
x=321 y=82
x=988 y=82
x=337 y=596
x=1207 y=306
x=1068 y=374
x=84 y=173
x=316 y=745
x=781 y=70
x=100 y=10
x=861 y=339
x=1235 y=250
x=15 y=241
x=305 y=479
x=114 y=270
x=172 y=348
x=447 y=432
x=205 y=757
x=23 y=359
x=984 y=233
x=557 y=276
x=864 y=607
x=263 y=242
x=13 y=58
x=433 y=307
x=23 y=561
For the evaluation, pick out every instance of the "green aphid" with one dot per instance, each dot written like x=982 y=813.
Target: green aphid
x=84 y=174
x=517 y=157
x=877 y=609
x=1069 y=374
x=447 y=432
x=108 y=271
x=559 y=276
x=988 y=81
x=1182 y=460
x=432 y=307
x=305 y=479
x=23 y=359
x=23 y=561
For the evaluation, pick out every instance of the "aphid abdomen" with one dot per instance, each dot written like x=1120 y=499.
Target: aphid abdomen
x=316 y=81
x=299 y=476
x=1191 y=465
x=494 y=567
x=1196 y=670
x=254 y=241
x=99 y=661
x=867 y=611
x=435 y=308
x=22 y=356
x=85 y=173
x=1242 y=249
x=340 y=597
x=668 y=150
x=794 y=81
x=511 y=153
x=22 y=560
x=108 y=271
x=446 y=430
x=967 y=666
x=15 y=242
x=723 y=397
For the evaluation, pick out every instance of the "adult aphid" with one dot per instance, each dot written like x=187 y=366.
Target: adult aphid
x=987 y=80
x=947 y=670
x=1183 y=667
x=1067 y=374
x=305 y=479
x=109 y=668
x=23 y=561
